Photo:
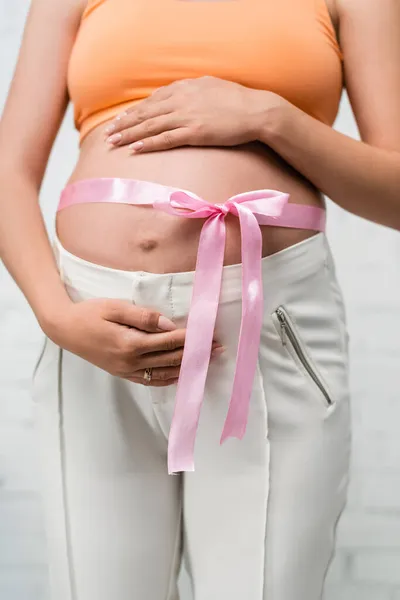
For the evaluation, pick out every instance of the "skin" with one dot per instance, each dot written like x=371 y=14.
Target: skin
x=196 y=112
x=279 y=147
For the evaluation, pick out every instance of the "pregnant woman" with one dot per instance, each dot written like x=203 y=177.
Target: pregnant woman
x=192 y=390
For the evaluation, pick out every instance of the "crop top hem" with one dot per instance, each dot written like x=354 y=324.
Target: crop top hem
x=101 y=117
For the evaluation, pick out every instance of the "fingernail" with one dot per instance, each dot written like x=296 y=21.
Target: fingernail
x=120 y=116
x=218 y=351
x=114 y=139
x=136 y=146
x=165 y=324
x=110 y=128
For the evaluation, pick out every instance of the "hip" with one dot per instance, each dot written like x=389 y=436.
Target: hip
x=301 y=361
x=303 y=344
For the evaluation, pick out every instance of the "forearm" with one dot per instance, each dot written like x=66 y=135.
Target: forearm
x=363 y=179
x=26 y=251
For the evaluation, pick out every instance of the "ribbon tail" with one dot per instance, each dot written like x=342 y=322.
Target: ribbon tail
x=250 y=328
x=198 y=343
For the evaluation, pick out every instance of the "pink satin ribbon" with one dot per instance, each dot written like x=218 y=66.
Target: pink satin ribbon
x=260 y=207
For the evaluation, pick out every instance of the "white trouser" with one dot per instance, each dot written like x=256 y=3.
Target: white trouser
x=256 y=520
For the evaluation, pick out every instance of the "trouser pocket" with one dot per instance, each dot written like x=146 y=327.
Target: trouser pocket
x=292 y=342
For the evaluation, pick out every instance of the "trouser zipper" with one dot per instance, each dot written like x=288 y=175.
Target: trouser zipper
x=287 y=332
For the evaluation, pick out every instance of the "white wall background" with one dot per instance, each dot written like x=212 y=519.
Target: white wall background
x=367 y=563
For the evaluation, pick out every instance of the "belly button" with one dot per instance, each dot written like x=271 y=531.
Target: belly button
x=148 y=245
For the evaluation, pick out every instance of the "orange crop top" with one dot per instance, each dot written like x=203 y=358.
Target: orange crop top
x=125 y=49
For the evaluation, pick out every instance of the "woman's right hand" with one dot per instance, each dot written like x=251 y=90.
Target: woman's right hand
x=123 y=339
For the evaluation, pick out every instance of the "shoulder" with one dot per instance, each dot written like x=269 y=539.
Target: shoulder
x=361 y=21
x=366 y=9
x=62 y=8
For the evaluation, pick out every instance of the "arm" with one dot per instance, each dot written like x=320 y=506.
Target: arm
x=26 y=138
x=114 y=335
x=361 y=176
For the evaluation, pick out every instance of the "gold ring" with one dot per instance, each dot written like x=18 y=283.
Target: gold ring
x=147 y=374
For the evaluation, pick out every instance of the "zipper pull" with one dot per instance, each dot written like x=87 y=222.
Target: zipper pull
x=283 y=334
x=282 y=323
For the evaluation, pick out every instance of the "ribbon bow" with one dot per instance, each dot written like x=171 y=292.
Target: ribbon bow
x=262 y=207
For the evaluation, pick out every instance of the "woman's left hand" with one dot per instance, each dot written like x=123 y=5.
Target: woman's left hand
x=192 y=112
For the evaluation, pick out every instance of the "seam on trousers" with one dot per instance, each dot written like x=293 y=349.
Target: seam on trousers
x=171 y=301
x=68 y=549
x=333 y=537
x=268 y=467
x=177 y=547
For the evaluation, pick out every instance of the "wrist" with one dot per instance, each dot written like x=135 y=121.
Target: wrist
x=53 y=318
x=271 y=113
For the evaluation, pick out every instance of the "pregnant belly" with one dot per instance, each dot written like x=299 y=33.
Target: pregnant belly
x=141 y=238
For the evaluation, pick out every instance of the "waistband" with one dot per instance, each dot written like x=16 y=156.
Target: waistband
x=255 y=208
x=288 y=265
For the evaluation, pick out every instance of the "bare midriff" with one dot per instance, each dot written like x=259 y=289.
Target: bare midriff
x=141 y=238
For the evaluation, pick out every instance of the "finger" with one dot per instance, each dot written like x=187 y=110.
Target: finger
x=145 y=319
x=161 y=360
x=162 y=93
x=159 y=94
x=148 y=128
x=137 y=116
x=162 y=342
x=155 y=99
x=164 y=141
x=156 y=383
x=168 y=356
x=160 y=374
